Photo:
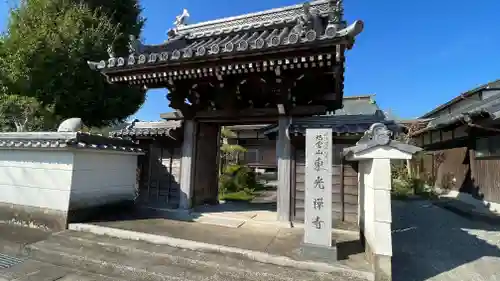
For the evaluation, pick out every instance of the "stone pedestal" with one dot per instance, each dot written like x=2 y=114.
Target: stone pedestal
x=326 y=254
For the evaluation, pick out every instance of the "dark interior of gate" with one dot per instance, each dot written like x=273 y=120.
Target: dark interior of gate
x=158 y=171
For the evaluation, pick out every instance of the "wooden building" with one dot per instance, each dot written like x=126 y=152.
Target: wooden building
x=260 y=68
x=260 y=150
x=462 y=140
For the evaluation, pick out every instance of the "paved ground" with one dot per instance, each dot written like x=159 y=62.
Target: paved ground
x=268 y=238
x=431 y=243
x=13 y=238
x=80 y=256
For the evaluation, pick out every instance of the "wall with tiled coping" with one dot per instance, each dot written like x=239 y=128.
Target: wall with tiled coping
x=47 y=187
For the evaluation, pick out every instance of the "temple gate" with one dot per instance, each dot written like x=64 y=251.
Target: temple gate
x=265 y=67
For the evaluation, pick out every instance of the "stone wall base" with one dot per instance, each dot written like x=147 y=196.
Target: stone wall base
x=54 y=220
x=96 y=212
x=381 y=264
x=34 y=217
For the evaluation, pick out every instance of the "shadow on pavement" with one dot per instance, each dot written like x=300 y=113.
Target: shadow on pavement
x=432 y=243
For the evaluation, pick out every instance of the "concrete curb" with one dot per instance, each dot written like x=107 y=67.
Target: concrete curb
x=212 y=248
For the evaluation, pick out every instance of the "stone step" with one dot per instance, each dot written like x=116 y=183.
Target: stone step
x=137 y=260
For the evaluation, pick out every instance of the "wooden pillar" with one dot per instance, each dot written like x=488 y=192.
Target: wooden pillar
x=205 y=180
x=187 y=165
x=283 y=152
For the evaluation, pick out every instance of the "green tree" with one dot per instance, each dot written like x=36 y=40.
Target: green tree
x=124 y=14
x=45 y=52
x=229 y=153
x=19 y=113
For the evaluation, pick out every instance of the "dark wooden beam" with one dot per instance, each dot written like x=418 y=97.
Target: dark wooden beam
x=261 y=112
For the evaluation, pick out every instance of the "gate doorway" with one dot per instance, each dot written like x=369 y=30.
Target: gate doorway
x=230 y=190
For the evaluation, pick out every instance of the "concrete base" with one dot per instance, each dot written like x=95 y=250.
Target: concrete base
x=383 y=267
x=33 y=217
x=54 y=220
x=318 y=253
x=381 y=264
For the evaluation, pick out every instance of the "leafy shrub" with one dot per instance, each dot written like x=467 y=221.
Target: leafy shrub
x=236 y=178
x=401 y=188
x=418 y=185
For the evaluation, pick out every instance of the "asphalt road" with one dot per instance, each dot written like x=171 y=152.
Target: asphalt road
x=431 y=243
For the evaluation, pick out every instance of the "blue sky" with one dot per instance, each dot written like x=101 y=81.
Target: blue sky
x=414 y=55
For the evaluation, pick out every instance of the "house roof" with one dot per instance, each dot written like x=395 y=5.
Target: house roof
x=356 y=116
x=357 y=105
x=342 y=127
x=317 y=23
x=487 y=108
x=148 y=129
x=256 y=20
x=489 y=85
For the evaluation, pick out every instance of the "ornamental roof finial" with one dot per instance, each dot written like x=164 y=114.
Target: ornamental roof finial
x=336 y=11
x=111 y=51
x=181 y=20
x=135 y=45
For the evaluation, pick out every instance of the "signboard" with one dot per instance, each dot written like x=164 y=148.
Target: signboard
x=318 y=188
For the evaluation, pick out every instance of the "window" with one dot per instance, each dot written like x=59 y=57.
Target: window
x=488 y=147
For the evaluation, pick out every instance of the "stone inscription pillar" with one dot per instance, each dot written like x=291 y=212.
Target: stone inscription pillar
x=318 y=188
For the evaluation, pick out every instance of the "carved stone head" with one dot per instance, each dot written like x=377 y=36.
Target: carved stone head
x=380 y=134
x=71 y=125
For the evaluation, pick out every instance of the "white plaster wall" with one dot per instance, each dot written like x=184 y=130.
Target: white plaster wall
x=36 y=178
x=382 y=206
x=369 y=205
x=102 y=177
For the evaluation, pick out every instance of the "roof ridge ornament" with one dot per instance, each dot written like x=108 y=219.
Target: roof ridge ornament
x=111 y=51
x=378 y=134
x=336 y=11
x=135 y=45
x=132 y=124
x=312 y=19
x=181 y=20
